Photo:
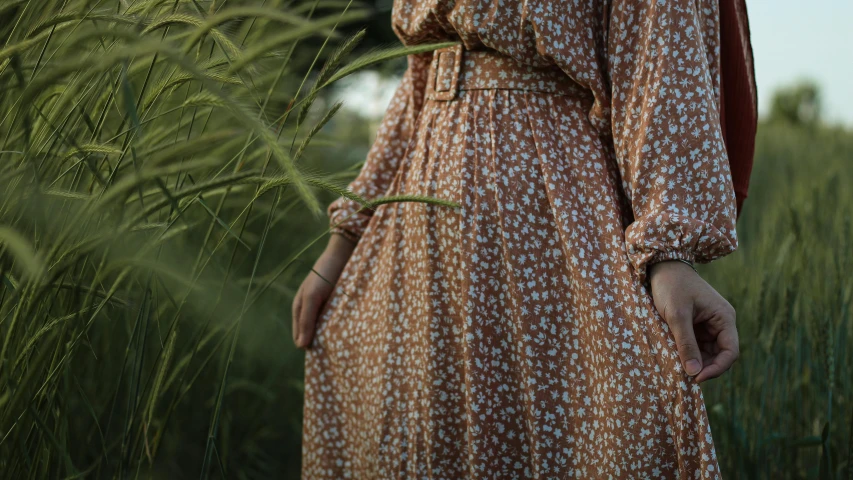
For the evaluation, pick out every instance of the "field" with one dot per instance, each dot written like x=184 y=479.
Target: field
x=163 y=171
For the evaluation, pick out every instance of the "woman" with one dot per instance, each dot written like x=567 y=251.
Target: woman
x=552 y=326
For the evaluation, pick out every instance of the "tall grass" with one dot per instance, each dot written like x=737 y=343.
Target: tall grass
x=152 y=176
x=786 y=408
x=160 y=186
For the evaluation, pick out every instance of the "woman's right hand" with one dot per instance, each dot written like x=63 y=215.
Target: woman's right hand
x=315 y=289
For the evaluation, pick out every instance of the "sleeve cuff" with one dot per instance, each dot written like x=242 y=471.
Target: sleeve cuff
x=671 y=255
x=660 y=256
x=665 y=236
x=352 y=237
x=347 y=218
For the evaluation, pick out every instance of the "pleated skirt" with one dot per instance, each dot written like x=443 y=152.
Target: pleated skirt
x=506 y=338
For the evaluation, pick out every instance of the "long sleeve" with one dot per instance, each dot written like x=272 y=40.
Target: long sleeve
x=663 y=62
x=383 y=159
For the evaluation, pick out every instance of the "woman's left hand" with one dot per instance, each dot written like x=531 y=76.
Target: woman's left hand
x=701 y=320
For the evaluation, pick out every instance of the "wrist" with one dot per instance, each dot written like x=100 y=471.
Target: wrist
x=339 y=248
x=673 y=265
x=344 y=233
x=673 y=261
x=334 y=258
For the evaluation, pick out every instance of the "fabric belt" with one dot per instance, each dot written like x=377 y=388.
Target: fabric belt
x=454 y=69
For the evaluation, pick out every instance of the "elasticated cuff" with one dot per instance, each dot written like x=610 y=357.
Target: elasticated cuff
x=660 y=256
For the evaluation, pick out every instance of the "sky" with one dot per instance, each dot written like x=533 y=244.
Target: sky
x=791 y=40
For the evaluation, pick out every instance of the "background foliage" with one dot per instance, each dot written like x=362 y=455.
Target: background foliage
x=161 y=192
x=155 y=196
x=786 y=408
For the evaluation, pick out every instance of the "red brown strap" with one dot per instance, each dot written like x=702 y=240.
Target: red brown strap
x=739 y=99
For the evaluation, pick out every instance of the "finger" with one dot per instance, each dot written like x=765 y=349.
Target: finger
x=709 y=351
x=297 y=308
x=728 y=344
x=308 y=318
x=704 y=334
x=688 y=349
x=722 y=362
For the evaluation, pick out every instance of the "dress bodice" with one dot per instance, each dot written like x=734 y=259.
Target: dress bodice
x=569 y=34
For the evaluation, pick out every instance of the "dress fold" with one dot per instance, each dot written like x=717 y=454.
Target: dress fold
x=516 y=336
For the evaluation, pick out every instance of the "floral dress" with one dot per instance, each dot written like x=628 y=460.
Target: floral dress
x=515 y=336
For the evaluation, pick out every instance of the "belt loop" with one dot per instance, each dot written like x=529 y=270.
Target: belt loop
x=439 y=72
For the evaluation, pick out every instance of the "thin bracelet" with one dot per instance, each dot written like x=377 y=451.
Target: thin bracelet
x=687 y=262
x=346 y=234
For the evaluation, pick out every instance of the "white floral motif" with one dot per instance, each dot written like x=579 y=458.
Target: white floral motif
x=514 y=337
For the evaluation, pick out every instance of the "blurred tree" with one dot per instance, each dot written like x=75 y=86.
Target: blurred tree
x=798 y=104
x=379 y=33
